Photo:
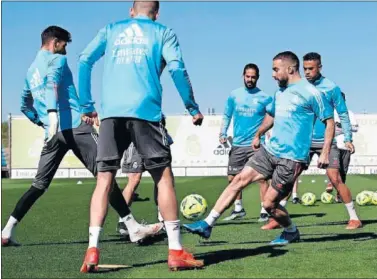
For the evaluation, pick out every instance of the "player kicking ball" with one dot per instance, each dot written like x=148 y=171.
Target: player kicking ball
x=50 y=101
x=296 y=106
x=247 y=106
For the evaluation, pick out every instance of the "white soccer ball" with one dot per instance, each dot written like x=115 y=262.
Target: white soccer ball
x=193 y=206
x=363 y=198
x=308 y=199
x=327 y=198
x=313 y=181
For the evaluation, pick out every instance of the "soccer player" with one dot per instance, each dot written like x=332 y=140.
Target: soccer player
x=49 y=100
x=247 y=106
x=136 y=51
x=134 y=166
x=345 y=153
x=296 y=105
x=312 y=69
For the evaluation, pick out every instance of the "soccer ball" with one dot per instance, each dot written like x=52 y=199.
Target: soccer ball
x=193 y=206
x=374 y=198
x=308 y=199
x=327 y=198
x=363 y=198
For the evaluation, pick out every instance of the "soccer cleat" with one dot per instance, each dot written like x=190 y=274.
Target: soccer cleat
x=286 y=237
x=329 y=187
x=271 y=225
x=136 y=197
x=181 y=260
x=6 y=242
x=200 y=228
x=296 y=200
x=354 y=224
x=90 y=261
x=263 y=217
x=122 y=229
x=236 y=215
x=144 y=231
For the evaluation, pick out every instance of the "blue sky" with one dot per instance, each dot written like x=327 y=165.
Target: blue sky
x=217 y=40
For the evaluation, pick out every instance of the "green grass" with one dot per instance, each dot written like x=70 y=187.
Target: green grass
x=55 y=232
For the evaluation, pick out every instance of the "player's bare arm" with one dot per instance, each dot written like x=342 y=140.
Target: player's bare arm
x=323 y=160
x=267 y=124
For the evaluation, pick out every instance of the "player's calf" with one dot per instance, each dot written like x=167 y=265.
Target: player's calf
x=346 y=197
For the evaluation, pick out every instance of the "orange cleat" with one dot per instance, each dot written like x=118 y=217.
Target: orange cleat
x=90 y=261
x=5 y=242
x=271 y=225
x=181 y=260
x=354 y=224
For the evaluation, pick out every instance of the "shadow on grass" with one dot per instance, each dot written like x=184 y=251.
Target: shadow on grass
x=211 y=243
x=329 y=237
x=336 y=223
x=341 y=236
x=215 y=257
x=319 y=215
x=117 y=240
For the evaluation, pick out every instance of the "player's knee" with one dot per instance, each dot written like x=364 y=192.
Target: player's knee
x=40 y=185
x=269 y=206
x=238 y=183
x=104 y=180
x=38 y=188
x=134 y=177
x=335 y=178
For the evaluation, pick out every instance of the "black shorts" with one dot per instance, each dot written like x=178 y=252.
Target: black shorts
x=283 y=172
x=333 y=156
x=238 y=157
x=345 y=158
x=132 y=162
x=81 y=140
x=116 y=134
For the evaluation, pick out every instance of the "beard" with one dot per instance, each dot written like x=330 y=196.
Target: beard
x=249 y=85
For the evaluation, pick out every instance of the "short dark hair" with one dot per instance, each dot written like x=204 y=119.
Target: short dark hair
x=55 y=32
x=251 y=66
x=312 y=56
x=344 y=96
x=289 y=55
x=151 y=6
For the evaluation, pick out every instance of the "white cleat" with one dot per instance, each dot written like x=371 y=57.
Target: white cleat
x=235 y=215
x=144 y=231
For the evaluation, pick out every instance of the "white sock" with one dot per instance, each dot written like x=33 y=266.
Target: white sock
x=159 y=215
x=212 y=218
x=174 y=234
x=131 y=223
x=94 y=233
x=291 y=228
x=294 y=195
x=283 y=203
x=9 y=227
x=263 y=211
x=238 y=205
x=120 y=220
x=351 y=211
